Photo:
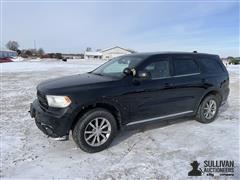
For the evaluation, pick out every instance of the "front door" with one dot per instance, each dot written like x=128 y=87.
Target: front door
x=152 y=98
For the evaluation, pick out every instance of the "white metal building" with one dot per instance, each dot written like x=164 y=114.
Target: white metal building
x=108 y=53
x=115 y=52
x=92 y=55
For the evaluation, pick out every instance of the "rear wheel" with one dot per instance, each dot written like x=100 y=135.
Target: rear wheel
x=95 y=130
x=208 y=109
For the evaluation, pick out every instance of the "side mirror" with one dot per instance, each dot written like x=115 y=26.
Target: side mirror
x=127 y=71
x=144 y=75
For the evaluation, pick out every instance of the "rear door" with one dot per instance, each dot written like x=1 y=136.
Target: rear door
x=188 y=85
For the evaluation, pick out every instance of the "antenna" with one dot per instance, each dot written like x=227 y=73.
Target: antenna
x=194 y=51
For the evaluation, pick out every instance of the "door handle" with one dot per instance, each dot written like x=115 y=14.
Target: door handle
x=167 y=85
x=140 y=90
x=203 y=80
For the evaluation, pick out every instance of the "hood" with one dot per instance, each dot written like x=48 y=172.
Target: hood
x=72 y=82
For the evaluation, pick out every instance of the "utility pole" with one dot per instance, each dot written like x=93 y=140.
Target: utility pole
x=35 y=47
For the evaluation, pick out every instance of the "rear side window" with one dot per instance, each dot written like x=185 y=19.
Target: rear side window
x=185 y=66
x=210 y=66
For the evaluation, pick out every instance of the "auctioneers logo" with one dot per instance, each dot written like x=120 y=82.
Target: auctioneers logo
x=212 y=168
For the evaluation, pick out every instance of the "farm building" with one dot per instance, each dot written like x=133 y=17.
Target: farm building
x=92 y=55
x=108 y=53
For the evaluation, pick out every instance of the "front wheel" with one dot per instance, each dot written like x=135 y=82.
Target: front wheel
x=208 y=109
x=95 y=130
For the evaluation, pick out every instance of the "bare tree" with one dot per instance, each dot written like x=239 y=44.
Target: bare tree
x=28 y=53
x=12 y=45
x=59 y=55
x=40 y=52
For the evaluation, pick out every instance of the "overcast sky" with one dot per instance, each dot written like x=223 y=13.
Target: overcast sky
x=70 y=27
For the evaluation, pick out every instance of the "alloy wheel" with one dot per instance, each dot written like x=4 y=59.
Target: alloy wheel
x=210 y=109
x=97 y=131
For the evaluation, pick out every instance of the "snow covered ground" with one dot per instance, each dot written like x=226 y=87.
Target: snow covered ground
x=163 y=151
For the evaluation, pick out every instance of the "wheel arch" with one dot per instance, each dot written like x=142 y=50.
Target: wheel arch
x=214 y=92
x=105 y=105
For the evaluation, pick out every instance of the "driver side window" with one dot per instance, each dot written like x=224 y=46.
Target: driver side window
x=159 y=69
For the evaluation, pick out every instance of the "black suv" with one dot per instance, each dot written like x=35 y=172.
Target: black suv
x=130 y=90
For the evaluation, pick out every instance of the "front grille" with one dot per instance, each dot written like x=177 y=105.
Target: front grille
x=42 y=100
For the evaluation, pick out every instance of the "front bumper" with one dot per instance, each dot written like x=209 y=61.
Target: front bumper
x=54 y=124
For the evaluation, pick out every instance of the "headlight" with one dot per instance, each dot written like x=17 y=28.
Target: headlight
x=58 y=101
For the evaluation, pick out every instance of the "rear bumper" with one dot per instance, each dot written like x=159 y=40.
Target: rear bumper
x=51 y=124
x=225 y=96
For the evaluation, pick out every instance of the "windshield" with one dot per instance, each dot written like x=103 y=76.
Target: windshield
x=116 y=66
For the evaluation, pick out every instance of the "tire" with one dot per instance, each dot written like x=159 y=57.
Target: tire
x=202 y=110
x=100 y=138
